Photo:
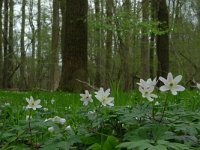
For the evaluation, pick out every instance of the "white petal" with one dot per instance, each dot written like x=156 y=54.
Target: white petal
x=154 y=95
x=174 y=92
x=169 y=76
x=141 y=90
x=163 y=80
x=164 y=88
x=179 y=88
x=177 y=79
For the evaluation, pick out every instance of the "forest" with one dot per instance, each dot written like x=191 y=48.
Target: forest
x=120 y=42
x=100 y=74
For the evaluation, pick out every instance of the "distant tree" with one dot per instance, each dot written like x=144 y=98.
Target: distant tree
x=5 y=45
x=54 y=46
x=163 y=38
x=1 y=43
x=74 y=54
x=23 y=53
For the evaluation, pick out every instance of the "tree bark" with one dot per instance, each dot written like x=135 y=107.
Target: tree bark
x=145 y=41
x=98 y=45
x=10 y=45
x=109 y=4
x=54 y=46
x=74 y=55
x=1 y=48
x=23 y=53
x=163 y=39
x=5 y=45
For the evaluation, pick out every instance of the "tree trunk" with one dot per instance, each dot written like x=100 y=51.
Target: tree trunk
x=1 y=48
x=74 y=55
x=145 y=41
x=33 y=74
x=98 y=44
x=152 y=40
x=163 y=39
x=109 y=4
x=10 y=46
x=54 y=46
x=23 y=53
x=39 y=55
x=5 y=44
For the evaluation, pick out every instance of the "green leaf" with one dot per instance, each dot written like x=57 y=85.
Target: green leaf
x=110 y=143
x=95 y=146
x=158 y=147
x=141 y=145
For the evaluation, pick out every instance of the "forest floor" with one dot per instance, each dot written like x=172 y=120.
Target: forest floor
x=63 y=122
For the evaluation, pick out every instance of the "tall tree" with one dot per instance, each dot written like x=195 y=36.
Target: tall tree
x=5 y=44
x=54 y=46
x=98 y=44
x=23 y=53
x=163 y=39
x=39 y=38
x=33 y=38
x=145 y=41
x=10 y=45
x=109 y=5
x=74 y=55
x=1 y=43
x=152 y=39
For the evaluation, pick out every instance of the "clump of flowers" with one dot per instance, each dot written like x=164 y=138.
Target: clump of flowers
x=103 y=97
x=33 y=104
x=86 y=98
x=147 y=88
x=171 y=84
x=57 y=120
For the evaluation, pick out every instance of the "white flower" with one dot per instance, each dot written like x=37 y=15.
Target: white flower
x=52 y=101
x=28 y=117
x=32 y=104
x=7 y=104
x=147 y=93
x=157 y=103
x=149 y=83
x=68 y=128
x=45 y=109
x=102 y=96
x=171 y=84
x=86 y=98
x=51 y=129
x=198 y=86
x=92 y=112
x=56 y=119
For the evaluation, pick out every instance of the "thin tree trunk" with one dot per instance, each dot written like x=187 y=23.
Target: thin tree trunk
x=145 y=42
x=109 y=4
x=5 y=44
x=163 y=39
x=10 y=46
x=39 y=57
x=54 y=46
x=1 y=48
x=23 y=53
x=74 y=55
x=98 y=44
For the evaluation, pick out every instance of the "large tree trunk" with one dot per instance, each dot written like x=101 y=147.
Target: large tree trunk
x=145 y=42
x=163 y=39
x=1 y=48
x=54 y=46
x=23 y=53
x=109 y=4
x=74 y=55
x=10 y=46
x=5 y=44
